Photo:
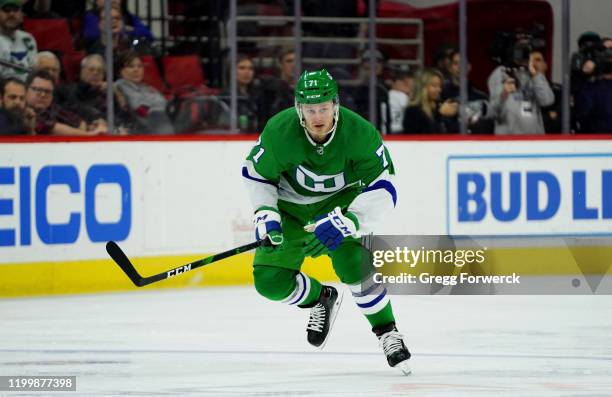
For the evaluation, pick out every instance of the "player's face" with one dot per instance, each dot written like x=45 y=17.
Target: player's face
x=319 y=118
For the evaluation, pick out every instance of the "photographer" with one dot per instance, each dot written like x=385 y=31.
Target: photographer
x=517 y=94
x=585 y=61
x=593 y=107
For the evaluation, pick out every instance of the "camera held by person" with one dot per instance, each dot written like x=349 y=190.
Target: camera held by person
x=512 y=49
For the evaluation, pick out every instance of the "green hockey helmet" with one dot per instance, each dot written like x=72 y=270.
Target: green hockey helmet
x=316 y=87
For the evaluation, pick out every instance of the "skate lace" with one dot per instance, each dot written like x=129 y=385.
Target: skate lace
x=391 y=342
x=317 y=318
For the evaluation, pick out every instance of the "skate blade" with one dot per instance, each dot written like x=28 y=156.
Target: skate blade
x=332 y=318
x=404 y=367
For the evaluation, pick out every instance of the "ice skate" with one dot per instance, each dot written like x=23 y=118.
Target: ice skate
x=396 y=351
x=322 y=316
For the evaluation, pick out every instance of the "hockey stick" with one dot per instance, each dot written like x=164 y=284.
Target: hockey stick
x=124 y=263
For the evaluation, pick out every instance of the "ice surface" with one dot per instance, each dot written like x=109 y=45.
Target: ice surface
x=230 y=341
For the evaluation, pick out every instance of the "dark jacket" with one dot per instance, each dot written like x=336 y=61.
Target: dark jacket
x=593 y=107
x=11 y=124
x=416 y=121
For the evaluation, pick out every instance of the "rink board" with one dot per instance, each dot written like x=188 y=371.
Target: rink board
x=170 y=201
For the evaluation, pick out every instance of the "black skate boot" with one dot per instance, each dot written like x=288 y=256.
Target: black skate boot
x=391 y=341
x=322 y=316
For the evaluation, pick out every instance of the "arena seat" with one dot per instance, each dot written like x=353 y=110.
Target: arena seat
x=71 y=63
x=50 y=34
x=182 y=71
x=152 y=75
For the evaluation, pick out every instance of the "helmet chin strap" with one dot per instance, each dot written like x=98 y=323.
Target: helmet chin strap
x=298 y=108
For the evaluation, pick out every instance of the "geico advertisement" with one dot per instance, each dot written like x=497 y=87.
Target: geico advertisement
x=62 y=203
x=531 y=194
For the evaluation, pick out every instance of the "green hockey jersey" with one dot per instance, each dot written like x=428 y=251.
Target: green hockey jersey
x=287 y=165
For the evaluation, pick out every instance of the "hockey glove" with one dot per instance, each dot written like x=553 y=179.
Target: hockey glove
x=332 y=228
x=267 y=223
x=313 y=247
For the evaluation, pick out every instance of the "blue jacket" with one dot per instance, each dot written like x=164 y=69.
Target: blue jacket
x=91 y=27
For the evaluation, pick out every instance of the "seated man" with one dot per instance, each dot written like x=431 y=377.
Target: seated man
x=15 y=117
x=87 y=97
x=49 y=62
x=50 y=118
x=17 y=48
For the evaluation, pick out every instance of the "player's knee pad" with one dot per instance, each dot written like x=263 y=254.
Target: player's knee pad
x=274 y=283
x=351 y=262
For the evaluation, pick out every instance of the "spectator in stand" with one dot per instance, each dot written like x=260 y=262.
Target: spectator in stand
x=50 y=118
x=593 y=107
x=49 y=62
x=134 y=95
x=361 y=93
x=477 y=100
x=16 y=46
x=276 y=93
x=517 y=96
x=15 y=117
x=121 y=40
x=551 y=115
x=87 y=97
x=442 y=59
x=54 y=9
x=132 y=26
x=426 y=113
x=248 y=87
x=450 y=88
x=399 y=98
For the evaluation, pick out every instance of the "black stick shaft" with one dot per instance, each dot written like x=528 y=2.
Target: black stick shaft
x=126 y=265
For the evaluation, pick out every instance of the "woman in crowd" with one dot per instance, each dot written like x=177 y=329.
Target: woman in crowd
x=426 y=114
x=132 y=25
x=247 y=88
x=147 y=105
x=120 y=40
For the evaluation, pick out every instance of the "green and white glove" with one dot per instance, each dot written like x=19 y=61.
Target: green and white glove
x=267 y=221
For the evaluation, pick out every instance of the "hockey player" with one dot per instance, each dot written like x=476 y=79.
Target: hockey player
x=319 y=177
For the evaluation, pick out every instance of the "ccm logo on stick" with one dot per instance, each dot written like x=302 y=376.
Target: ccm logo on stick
x=67 y=176
x=530 y=195
x=180 y=270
